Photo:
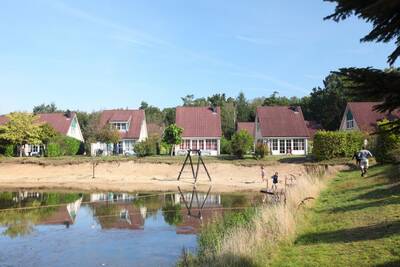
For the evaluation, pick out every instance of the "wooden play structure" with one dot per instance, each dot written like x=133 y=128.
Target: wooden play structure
x=199 y=160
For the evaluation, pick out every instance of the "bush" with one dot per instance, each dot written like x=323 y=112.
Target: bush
x=242 y=143
x=387 y=145
x=140 y=149
x=226 y=146
x=148 y=147
x=63 y=146
x=53 y=150
x=261 y=151
x=8 y=150
x=70 y=146
x=334 y=144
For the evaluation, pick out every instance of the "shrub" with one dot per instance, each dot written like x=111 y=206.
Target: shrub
x=140 y=149
x=242 y=143
x=260 y=151
x=333 y=144
x=9 y=150
x=53 y=150
x=225 y=146
x=387 y=146
x=148 y=147
x=70 y=146
x=63 y=146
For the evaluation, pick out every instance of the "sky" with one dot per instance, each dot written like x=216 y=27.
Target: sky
x=98 y=54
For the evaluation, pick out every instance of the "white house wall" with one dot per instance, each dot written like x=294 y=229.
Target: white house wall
x=143 y=131
x=344 y=120
x=75 y=133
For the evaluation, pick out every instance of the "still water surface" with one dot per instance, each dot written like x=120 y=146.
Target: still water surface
x=106 y=228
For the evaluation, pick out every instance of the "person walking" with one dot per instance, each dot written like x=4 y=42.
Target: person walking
x=363 y=156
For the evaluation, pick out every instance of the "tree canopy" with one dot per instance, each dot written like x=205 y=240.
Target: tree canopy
x=384 y=15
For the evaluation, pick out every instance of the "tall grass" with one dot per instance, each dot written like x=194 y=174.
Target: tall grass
x=259 y=231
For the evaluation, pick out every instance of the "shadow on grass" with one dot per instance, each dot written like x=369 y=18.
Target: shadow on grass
x=379 y=193
x=394 y=263
x=378 y=203
x=364 y=233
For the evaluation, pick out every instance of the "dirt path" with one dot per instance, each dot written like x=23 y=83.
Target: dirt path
x=130 y=176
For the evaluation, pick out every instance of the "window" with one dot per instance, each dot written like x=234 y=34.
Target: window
x=288 y=145
x=181 y=145
x=298 y=144
x=201 y=144
x=295 y=144
x=35 y=148
x=208 y=144
x=194 y=144
x=187 y=144
x=214 y=144
x=120 y=126
x=349 y=120
x=282 y=146
x=275 y=144
x=301 y=144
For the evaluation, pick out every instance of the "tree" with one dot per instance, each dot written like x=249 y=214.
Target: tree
x=143 y=105
x=43 y=108
x=47 y=133
x=228 y=119
x=242 y=143
x=384 y=16
x=21 y=129
x=190 y=101
x=242 y=108
x=326 y=105
x=169 y=116
x=172 y=136
x=376 y=85
x=108 y=135
x=385 y=19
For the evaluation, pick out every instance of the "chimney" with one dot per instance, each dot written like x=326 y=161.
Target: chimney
x=68 y=114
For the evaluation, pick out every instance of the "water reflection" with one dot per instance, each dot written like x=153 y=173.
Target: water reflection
x=123 y=229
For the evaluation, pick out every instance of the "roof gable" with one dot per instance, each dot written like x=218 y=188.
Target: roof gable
x=199 y=121
x=135 y=117
x=366 y=117
x=59 y=121
x=282 y=121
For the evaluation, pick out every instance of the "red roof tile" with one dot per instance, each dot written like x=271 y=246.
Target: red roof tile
x=59 y=121
x=366 y=117
x=134 y=117
x=199 y=121
x=247 y=126
x=282 y=121
x=313 y=127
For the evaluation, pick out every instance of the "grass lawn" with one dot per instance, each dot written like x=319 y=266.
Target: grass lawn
x=355 y=222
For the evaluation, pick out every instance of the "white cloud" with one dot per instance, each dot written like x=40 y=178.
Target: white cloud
x=253 y=40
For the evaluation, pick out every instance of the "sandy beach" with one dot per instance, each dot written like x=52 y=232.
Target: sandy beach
x=131 y=176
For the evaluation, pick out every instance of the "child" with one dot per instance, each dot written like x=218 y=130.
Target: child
x=275 y=181
x=263 y=175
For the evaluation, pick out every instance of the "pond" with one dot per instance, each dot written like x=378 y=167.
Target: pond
x=107 y=228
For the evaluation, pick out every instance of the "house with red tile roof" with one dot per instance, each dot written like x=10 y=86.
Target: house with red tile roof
x=283 y=129
x=247 y=126
x=362 y=116
x=132 y=128
x=201 y=129
x=64 y=123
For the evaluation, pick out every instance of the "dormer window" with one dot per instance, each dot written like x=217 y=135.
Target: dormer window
x=349 y=120
x=120 y=126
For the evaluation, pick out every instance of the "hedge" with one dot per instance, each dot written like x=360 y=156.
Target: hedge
x=261 y=151
x=63 y=146
x=387 y=145
x=147 y=147
x=334 y=144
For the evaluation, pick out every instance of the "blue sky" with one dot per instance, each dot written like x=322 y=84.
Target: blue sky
x=97 y=54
